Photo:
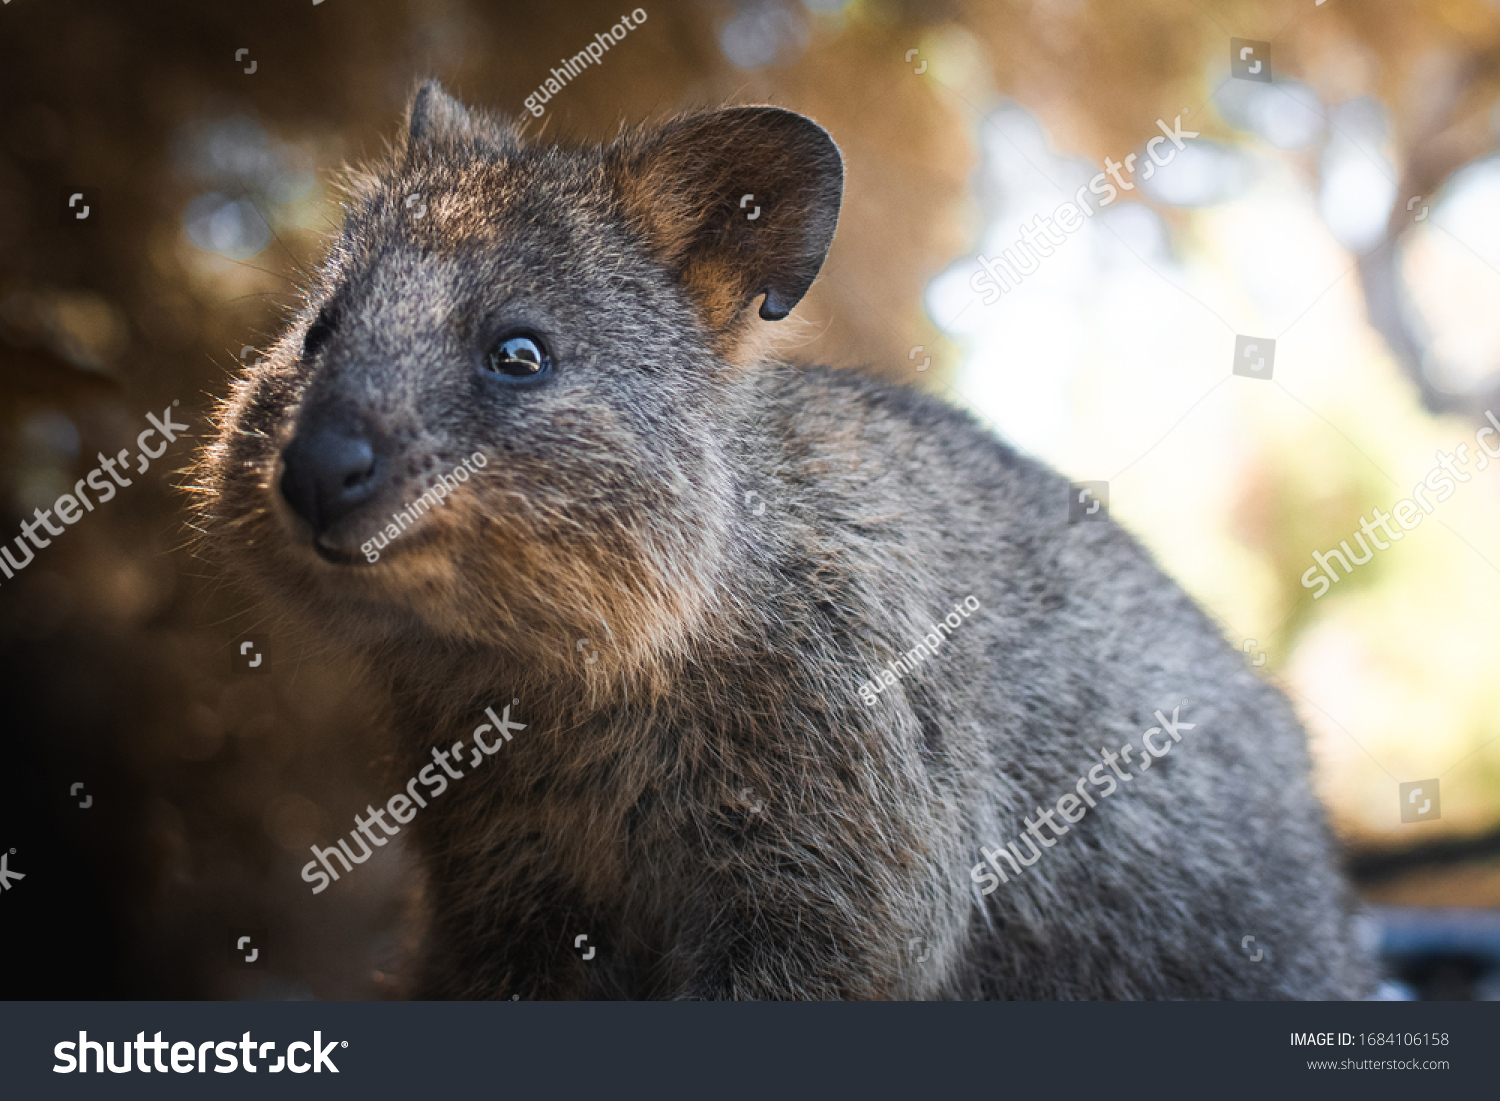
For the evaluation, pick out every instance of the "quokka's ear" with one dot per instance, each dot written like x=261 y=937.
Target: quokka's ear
x=437 y=119
x=737 y=203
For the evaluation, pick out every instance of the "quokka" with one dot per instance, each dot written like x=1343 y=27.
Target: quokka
x=685 y=557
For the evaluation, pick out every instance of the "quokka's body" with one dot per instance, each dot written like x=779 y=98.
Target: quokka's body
x=690 y=565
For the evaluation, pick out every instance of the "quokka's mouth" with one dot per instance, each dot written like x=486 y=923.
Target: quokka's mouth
x=339 y=556
x=347 y=549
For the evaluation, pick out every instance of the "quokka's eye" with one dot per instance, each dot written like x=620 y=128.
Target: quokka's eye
x=318 y=333
x=519 y=357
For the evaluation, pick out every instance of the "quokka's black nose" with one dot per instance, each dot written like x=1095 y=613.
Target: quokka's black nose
x=331 y=468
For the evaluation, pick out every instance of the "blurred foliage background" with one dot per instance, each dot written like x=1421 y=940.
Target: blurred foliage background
x=207 y=139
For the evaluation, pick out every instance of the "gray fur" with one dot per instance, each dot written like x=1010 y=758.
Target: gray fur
x=744 y=543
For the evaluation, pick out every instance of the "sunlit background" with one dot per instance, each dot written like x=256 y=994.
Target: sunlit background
x=1114 y=361
x=1347 y=210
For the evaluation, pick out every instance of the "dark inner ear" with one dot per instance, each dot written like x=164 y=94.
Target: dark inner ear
x=686 y=186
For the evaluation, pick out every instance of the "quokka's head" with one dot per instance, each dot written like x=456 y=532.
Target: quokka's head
x=570 y=321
